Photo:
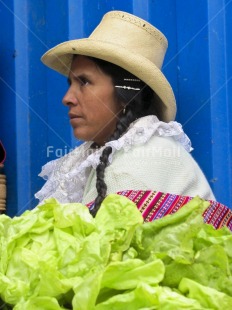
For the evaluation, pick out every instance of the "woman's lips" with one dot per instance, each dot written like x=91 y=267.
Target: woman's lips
x=73 y=116
x=75 y=119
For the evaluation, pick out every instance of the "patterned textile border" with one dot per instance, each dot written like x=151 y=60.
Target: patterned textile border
x=154 y=205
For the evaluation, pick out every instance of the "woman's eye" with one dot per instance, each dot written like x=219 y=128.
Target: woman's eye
x=84 y=81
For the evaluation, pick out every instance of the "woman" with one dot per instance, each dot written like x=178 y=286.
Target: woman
x=123 y=107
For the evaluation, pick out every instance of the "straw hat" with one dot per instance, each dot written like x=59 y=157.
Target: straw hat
x=127 y=41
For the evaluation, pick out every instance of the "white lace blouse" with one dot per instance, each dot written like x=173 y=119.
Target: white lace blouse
x=72 y=177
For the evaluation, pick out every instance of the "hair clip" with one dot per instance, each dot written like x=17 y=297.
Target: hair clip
x=132 y=80
x=127 y=87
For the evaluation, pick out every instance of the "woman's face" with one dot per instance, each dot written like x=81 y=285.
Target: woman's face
x=93 y=107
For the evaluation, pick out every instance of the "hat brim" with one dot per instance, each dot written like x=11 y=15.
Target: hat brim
x=60 y=57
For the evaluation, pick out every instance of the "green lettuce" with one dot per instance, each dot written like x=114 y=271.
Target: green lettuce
x=207 y=297
x=58 y=256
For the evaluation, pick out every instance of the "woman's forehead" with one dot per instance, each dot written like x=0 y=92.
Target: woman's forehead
x=81 y=62
x=83 y=65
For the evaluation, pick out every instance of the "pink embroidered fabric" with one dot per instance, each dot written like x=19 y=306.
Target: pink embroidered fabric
x=154 y=205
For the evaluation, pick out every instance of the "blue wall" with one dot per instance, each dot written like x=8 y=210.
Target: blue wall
x=34 y=127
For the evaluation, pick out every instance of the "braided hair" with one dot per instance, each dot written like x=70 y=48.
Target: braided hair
x=136 y=104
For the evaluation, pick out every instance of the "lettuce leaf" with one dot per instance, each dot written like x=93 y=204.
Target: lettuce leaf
x=58 y=256
x=147 y=297
x=206 y=296
x=128 y=274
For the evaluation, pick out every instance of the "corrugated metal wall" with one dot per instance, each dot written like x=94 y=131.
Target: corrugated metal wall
x=33 y=123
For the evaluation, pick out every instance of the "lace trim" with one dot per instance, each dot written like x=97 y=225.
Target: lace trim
x=66 y=177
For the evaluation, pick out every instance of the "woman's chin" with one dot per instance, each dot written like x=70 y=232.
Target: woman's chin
x=81 y=135
x=78 y=136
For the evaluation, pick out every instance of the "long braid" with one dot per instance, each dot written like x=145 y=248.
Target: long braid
x=100 y=183
x=136 y=104
x=101 y=186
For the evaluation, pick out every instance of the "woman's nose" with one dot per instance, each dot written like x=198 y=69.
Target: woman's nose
x=70 y=98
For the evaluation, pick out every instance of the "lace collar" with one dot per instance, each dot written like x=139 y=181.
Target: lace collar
x=66 y=176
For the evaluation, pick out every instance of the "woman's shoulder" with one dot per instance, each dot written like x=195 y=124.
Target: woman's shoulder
x=149 y=132
x=166 y=147
x=155 y=147
x=157 y=141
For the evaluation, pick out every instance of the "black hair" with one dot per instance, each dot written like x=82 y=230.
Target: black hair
x=136 y=103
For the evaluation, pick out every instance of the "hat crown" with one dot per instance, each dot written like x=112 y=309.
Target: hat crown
x=138 y=37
